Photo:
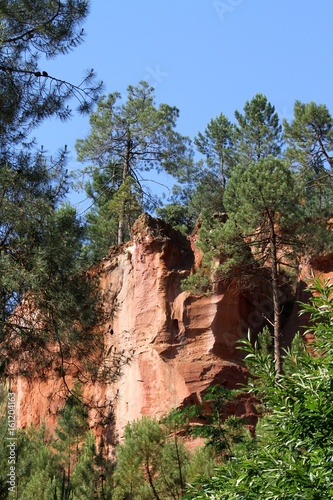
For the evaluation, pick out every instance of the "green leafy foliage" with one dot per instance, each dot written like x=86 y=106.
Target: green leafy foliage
x=220 y=431
x=178 y=216
x=292 y=456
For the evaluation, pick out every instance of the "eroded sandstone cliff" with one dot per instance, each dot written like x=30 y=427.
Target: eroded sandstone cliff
x=178 y=344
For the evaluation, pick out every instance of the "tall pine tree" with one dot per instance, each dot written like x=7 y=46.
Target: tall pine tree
x=258 y=132
x=125 y=141
x=48 y=303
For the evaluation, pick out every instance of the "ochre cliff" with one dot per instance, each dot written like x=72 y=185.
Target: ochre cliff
x=178 y=344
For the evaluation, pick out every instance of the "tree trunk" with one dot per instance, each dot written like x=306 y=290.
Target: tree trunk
x=126 y=169
x=276 y=303
x=182 y=486
x=150 y=479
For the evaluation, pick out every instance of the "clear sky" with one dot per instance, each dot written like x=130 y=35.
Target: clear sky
x=206 y=57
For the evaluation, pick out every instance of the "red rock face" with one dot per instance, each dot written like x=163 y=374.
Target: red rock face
x=178 y=344
x=316 y=267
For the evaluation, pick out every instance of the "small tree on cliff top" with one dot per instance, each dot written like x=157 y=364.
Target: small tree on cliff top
x=125 y=141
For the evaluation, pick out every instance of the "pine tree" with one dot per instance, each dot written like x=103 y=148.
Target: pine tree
x=125 y=141
x=258 y=133
x=71 y=430
x=36 y=464
x=267 y=229
x=139 y=459
x=217 y=145
x=85 y=476
x=51 y=305
x=30 y=30
x=48 y=303
x=152 y=461
x=310 y=137
x=63 y=466
x=202 y=183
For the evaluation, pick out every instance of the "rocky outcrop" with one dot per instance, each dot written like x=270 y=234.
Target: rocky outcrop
x=320 y=266
x=181 y=344
x=178 y=344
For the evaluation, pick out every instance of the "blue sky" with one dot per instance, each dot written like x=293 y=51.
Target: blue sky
x=206 y=57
